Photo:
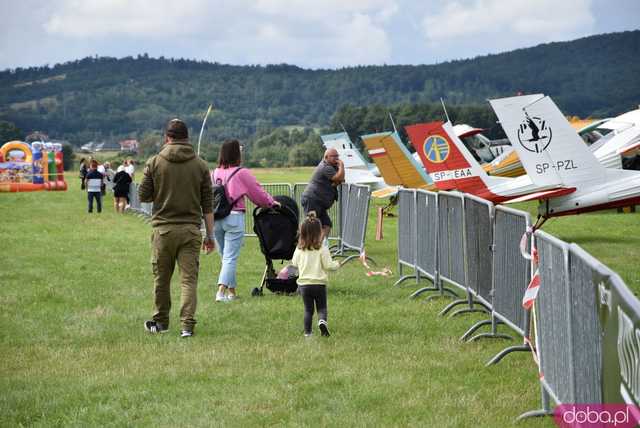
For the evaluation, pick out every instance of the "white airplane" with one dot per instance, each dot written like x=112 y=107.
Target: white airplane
x=452 y=166
x=552 y=152
x=357 y=170
x=617 y=141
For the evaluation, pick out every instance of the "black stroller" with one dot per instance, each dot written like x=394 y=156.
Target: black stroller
x=277 y=231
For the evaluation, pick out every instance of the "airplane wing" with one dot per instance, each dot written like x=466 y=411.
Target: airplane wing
x=630 y=150
x=397 y=166
x=386 y=192
x=546 y=194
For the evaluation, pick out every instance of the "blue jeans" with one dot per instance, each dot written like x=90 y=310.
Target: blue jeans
x=229 y=234
x=98 y=197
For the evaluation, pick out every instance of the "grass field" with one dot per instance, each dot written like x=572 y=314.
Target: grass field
x=76 y=288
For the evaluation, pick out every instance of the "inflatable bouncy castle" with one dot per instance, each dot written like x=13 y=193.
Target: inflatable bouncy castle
x=28 y=168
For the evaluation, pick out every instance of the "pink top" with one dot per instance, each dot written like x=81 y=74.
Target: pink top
x=242 y=184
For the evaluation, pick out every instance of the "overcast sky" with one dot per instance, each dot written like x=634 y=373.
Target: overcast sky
x=307 y=33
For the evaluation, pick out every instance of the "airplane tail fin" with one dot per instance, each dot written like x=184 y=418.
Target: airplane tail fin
x=396 y=164
x=448 y=162
x=349 y=154
x=551 y=151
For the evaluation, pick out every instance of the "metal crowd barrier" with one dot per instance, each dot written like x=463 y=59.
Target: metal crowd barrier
x=568 y=339
x=427 y=238
x=274 y=189
x=356 y=214
x=477 y=233
x=451 y=239
x=511 y=276
x=407 y=236
x=619 y=313
x=478 y=226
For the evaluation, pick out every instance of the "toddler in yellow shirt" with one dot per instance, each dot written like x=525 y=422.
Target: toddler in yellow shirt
x=313 y=261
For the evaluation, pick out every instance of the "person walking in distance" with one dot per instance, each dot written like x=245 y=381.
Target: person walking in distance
x=94 y=181
x=178 y=184
x=313 y=261
x=121 y=187
x=322 y=192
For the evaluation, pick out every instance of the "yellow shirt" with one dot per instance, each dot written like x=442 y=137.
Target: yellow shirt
x=313 y=265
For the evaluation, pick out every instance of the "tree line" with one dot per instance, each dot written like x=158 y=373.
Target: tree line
x=275 y=109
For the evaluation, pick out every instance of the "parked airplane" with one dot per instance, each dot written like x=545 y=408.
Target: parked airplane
x=451 y=166
x=617 y=141
x=552 y=152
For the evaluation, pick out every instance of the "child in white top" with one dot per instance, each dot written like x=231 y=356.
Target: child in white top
x=313 y=261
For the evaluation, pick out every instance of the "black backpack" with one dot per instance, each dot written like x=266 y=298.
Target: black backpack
x=221 y=204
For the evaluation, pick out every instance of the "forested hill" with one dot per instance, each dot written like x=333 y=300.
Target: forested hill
x=102 y=98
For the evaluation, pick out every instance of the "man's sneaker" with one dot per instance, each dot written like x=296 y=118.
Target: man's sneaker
x=155 y=327
x=324 y=329
x=186 y=333
x=220 y=297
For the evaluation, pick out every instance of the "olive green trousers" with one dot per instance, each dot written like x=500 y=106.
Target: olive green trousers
x=171 y=244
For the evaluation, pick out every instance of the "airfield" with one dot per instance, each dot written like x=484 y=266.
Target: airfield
x=76 y=289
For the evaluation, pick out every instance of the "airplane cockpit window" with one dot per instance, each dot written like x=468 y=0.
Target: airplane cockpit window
x=599 y=141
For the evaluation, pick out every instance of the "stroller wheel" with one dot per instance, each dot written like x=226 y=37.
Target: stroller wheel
x=256 y=292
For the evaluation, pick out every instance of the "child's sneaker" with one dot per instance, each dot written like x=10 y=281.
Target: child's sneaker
x=155 y=327
x=220 y=297
x=324 y=329
x=186 y=333
x=307 y=334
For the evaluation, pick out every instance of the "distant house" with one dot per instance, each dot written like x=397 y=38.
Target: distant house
x=129 y=146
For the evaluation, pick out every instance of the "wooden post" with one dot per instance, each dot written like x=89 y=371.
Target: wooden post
x=379 y=224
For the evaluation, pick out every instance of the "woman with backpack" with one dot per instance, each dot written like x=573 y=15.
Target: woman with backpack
x=235 y=182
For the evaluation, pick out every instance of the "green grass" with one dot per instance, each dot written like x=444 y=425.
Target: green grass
x=76 y=288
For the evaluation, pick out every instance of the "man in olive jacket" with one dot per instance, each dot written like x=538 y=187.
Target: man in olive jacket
x=179 y=185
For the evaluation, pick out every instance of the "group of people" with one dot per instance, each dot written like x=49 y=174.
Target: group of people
x=180 y=186
x=98 y=178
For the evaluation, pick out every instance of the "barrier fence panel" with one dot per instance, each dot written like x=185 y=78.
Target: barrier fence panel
x=274 y=189
x=134 y=201
x=426 y=219
x=567 y=320
x=478 y=224
x=584 y=274
x=511 y=271
x=355 y=221
x=345 y=214
x=477 y=235
x=553 y=334
x=359 y=197
x=426 y=242
x=620 y=320
x=147 y=208
x=334 y=212
x=407 y=236
x=451 y=239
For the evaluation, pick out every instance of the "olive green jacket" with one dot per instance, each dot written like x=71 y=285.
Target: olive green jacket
x=178 y=184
